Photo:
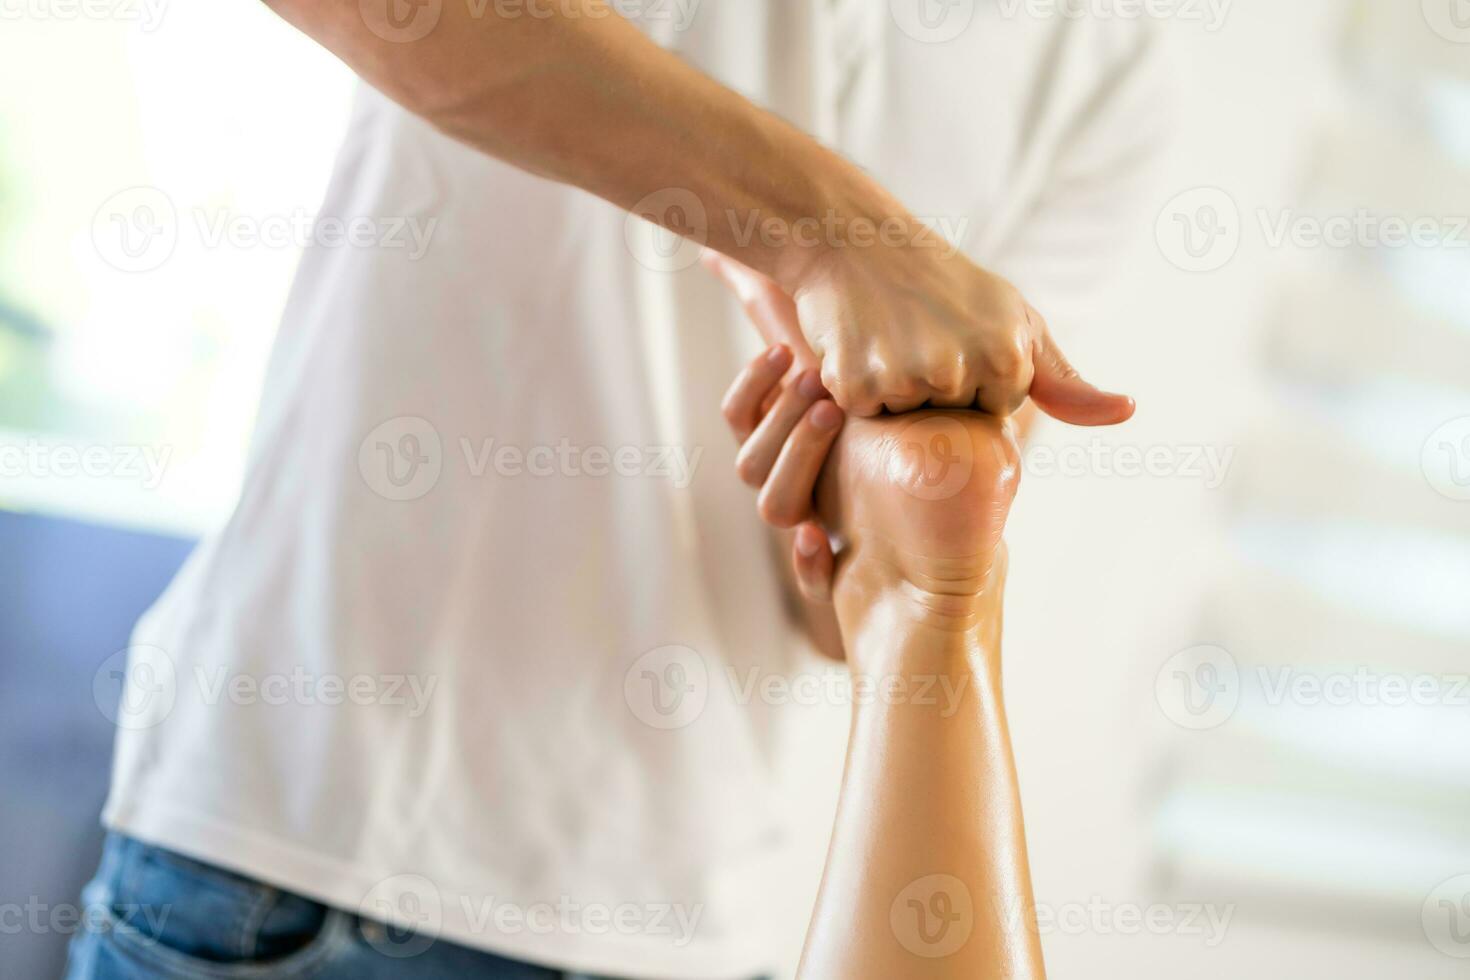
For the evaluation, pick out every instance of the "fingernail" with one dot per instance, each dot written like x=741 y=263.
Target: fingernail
x=777 y=354
x=807 y=543
x=826 y=416
x=811 y=385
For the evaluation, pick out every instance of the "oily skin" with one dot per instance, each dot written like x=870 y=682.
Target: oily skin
x=573 y=92
x=919 y=502
x=927 y=875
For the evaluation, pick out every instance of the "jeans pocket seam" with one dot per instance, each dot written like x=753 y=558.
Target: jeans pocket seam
x=253 y=918
x=297 y=965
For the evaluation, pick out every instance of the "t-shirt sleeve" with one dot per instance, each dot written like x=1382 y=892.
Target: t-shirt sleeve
x=1097 y=201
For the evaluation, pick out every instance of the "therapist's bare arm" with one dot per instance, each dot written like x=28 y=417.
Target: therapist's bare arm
x=579 y=95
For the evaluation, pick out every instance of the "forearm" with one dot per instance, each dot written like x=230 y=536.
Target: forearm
x=927 y=875
x=579 y=95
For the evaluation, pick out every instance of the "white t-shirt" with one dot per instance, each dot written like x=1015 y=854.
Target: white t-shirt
x=463 y=654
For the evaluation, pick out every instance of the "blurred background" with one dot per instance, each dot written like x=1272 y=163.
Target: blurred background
x=1237 y=628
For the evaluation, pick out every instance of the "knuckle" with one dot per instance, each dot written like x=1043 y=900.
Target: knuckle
x=747 y=468
x=776 y=511
x=1009 y=365
x=948 y=377
x=834 y=379
x=732 y=412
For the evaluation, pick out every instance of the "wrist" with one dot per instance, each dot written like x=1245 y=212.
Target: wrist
x=890 y=624
x=847 y=218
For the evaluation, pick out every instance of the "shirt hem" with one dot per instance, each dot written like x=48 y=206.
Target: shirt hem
x=284 y=865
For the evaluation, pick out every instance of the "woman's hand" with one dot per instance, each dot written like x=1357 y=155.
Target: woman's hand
x=786 y=424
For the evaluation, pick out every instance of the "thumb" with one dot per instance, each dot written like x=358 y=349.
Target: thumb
x=1059 y=391
x=769 y=309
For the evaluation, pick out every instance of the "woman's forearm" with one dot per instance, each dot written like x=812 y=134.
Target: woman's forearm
x=927 y=875
x=578 y=94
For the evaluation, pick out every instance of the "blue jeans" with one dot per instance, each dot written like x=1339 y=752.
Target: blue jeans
x=156 y=915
